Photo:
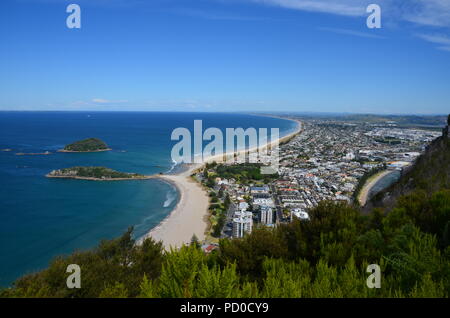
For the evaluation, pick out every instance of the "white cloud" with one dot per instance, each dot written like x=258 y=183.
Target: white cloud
x=423 y=12
x=435 y=38
x=427 y=12
x=441 y=39
x=106 y=101
x=100 y=100
x=340 y=7
x=434 y=14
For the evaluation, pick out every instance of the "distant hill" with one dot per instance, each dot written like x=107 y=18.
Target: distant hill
x=402 y=120
x=419 y=121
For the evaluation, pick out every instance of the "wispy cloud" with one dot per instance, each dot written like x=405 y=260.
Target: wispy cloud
x=352 y=32
x=435 y=38
x=100 y=100
x=431 y=14
x=340 y=7
x=442 y=40
x=427 y=12
x=423 y=12
x=106 y=101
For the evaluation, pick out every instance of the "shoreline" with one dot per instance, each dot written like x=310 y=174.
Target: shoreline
x=190 y=215
x=72 y=151
x=100 y=179
x=364 y=194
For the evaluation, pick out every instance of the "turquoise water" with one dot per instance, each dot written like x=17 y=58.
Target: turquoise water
x=41 y=218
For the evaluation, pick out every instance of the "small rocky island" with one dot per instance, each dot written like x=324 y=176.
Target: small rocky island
x=95 y=173
x=86 y=145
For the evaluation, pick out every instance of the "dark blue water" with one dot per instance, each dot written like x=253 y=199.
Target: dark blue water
x=41 y=218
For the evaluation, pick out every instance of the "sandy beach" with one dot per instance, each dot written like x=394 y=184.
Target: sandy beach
x=364 y=195
x=190 y=216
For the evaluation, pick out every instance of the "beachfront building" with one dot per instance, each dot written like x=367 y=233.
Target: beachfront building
x=242 y=223
x=243 y=205
x=266 y=215
x=299 y=214
x=259 y=190
x=263 y=201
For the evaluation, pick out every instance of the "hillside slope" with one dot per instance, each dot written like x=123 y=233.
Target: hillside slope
x=430 y=173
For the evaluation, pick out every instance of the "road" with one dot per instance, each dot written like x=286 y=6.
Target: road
x=279 y=210
x=226 y=230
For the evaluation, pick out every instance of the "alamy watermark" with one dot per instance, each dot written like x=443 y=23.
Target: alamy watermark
x=73 y=21
x=241 y=146
x=74 y=279
x=373 y=21
x=374 y=279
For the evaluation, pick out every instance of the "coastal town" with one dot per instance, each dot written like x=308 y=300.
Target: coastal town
x=327 y=160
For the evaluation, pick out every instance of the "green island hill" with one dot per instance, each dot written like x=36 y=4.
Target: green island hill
x=95 y=173
x=86 y=145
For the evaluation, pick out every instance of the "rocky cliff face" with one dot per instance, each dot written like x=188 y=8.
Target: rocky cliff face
x=446 y=130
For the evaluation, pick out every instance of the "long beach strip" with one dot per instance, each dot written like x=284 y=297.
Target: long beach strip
x=190 y=216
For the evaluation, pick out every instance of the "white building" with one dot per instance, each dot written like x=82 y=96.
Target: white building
x=262 y=189
x=242 y=223
x=300 y=214
x=263 y=202
x=243 y=205
x=349 y=156
x=266 y=215
x=220 y=181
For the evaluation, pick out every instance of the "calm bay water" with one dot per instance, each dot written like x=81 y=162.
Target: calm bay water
x=384 y=183
x=41 y=218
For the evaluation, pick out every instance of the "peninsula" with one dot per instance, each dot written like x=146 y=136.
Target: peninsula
x=86 y=145
x=95 y=174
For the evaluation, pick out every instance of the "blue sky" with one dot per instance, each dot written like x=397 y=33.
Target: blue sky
x=226 y=55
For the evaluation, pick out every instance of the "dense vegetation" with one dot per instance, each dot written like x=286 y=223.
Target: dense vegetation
x=388 y=140
x=219 y=201
x=363 y=180
x=219 y=204
x=94 y=172
x=245 y=172
x=90 y=144
x=324 y=257
x=219 y=215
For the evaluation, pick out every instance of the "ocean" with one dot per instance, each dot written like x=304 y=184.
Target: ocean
x=41 y=218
